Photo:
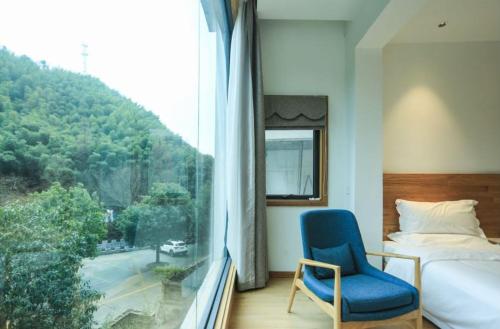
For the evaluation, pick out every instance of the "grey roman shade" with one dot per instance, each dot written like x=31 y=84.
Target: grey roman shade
x=283 y=111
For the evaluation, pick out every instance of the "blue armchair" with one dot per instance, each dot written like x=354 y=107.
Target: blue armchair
x=338 y=277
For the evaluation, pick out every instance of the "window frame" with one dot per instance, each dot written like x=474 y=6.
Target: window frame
x=320 y=169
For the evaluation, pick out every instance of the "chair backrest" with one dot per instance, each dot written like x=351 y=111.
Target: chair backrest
x=330 y=228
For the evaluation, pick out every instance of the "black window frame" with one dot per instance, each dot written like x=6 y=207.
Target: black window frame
x=316 y=181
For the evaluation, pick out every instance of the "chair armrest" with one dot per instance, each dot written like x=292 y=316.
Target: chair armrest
x=389 y=254
x=310 y=262
x=336 y=286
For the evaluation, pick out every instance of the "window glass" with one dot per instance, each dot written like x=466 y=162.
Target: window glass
x=107 y=124
x=290 y=162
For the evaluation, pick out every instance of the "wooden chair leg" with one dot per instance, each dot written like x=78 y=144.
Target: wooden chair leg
x=292 y=297
x=419 y=323
x=293 y=290
x=336 y=324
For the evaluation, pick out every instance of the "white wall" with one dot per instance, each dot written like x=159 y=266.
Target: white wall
x=343 y=61
x=368 y=152
x=307 y=58
x=442 y=107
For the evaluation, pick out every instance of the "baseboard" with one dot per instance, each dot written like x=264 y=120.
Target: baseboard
x=281 y=274
x=224 y=312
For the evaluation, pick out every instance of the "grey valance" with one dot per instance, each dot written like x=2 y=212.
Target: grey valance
x=296 y=111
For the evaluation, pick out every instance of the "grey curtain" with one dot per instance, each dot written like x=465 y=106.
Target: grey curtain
x=245 y=133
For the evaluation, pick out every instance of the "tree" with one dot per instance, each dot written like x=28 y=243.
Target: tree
x=162 y=215
x=42 y=244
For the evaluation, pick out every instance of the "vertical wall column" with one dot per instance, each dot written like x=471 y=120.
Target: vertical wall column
x=368 y=151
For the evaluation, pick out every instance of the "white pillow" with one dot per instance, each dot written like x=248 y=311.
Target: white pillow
x=454 y=217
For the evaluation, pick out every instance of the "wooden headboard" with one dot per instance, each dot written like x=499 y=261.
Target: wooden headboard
x=484 y=188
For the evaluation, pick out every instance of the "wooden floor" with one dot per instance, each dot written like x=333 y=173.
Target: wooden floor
x=266 y=309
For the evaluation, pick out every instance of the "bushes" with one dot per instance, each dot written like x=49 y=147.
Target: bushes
x=42 y=244
x=171 y=273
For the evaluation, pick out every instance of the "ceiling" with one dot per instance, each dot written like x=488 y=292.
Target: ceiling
x=467 y=20
x=339 y=10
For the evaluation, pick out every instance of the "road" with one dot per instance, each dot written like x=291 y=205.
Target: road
x=126 y=281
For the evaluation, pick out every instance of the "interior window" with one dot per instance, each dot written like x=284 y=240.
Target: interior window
x=292 y=164
x=296 y=150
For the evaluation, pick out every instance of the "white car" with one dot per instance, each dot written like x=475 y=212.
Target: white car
x=174 y=248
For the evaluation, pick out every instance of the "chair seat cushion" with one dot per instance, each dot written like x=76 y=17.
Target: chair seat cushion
x=362 y=293
x=339 y=255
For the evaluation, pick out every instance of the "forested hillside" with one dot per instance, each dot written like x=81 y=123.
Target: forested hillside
x=59 y=126
x=71 y=150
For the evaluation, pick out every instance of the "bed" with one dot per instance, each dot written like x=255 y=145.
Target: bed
x=460 y=272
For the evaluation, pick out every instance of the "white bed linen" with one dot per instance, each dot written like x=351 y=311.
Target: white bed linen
x=460 y=279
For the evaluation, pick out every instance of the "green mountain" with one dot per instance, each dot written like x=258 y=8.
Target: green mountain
x=60 y=126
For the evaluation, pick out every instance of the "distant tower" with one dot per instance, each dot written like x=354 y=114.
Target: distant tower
x=85 y=54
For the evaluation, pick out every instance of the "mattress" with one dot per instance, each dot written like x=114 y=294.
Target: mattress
x=460 y=284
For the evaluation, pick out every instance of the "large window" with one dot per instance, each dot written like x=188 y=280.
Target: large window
x=107 y=155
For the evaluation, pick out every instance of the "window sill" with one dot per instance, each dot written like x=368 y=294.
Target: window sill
x=297 y=203
x=196 y=316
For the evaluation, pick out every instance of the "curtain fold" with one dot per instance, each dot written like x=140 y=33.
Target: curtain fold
x=245 y=153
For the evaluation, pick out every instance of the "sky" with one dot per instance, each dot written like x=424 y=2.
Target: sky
x=155 y=52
